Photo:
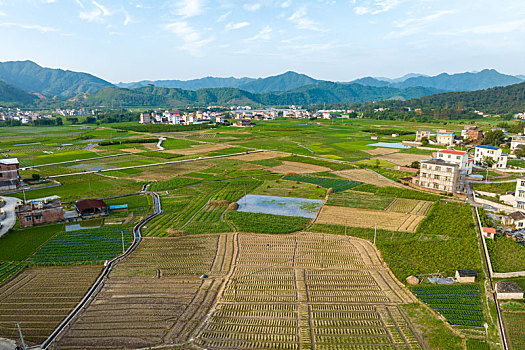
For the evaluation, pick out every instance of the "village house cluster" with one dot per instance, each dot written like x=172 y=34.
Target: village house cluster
x=24 y=117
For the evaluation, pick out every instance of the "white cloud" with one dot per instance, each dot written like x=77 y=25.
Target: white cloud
x=3 y=13
x=302 y=21
x=42 y=29
x=193 y=40
x=415 y=25
x=127 y=19
x=224 y=16
x=252 y=7
x=286 y=4
x=49 y=1
x=238 y=25
x=97 y=13
x=189 y=8
x=264 y=34
x=500 y=28
x=374 y=7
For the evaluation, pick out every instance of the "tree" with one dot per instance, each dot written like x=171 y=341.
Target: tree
x=424 y=141
x=494 y=137
x=415 y=164
x=520 y=151
x=35 y=177
x=488 y=162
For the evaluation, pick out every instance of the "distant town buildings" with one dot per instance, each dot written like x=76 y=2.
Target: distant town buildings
x=9 y=174
x=145 y=118
x=491 y=152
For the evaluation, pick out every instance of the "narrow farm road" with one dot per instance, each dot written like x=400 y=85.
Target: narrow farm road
x=9 y=212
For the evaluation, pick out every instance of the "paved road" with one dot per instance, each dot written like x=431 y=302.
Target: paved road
x=9 y=209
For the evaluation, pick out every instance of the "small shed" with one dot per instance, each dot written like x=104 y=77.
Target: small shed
x=92 y=207
x=518 y=219
x=489 y=232
x=466 y=276
x=508 y=290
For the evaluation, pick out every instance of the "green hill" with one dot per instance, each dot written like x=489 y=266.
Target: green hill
x=11 y=95
x=496 y=100
x=31 y=77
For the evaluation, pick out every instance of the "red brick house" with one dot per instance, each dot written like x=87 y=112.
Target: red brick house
x=9 y=176
x=38 y=213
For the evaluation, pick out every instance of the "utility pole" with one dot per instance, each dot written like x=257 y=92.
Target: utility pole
x=122 y=232
x=21 y=336
x=487 y=176
x=24 y=191
x=375 y=233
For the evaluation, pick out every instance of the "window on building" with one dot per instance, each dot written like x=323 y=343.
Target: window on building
x=28 y=218
x=438 y=168
x=38 y=217
x=458 y=157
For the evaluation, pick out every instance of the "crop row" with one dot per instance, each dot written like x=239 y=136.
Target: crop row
x=208 y=220
x=337 y=184
x=460 y=305
x=84 y=246
x=9 y=269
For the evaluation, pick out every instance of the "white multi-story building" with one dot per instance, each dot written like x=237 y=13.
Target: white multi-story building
x=492 y=152
x=445 y=138
x=517 y=140
x=457 y=157
x=145 y=118
x=519 y=195
x=437 y=174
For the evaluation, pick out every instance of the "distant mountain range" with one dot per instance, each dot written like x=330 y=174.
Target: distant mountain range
x=286 y=81
x=323 y=92
x=31 y=77
x=24 y=81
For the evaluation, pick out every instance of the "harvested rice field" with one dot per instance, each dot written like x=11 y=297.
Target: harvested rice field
x=402 y=159
x=39 y=299
x=298 y=168
x=380 y=151
x=198 y=149
x=307 y=291
x=367 y=176
x=409 y=206
x=367 y=218
x=155 y=296
x=251 y=157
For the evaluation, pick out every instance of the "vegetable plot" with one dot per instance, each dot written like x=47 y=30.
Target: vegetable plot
x=336 y=184
x=460 y=305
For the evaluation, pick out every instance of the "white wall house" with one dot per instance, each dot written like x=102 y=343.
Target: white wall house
x=517 y=140
x=519 y=196
x=495 y=153
x=438 y=174
x=445 y=138
x=457 y=157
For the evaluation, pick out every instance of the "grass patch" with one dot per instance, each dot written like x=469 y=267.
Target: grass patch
x=336 y=184
x=506 y=255
x=359 y=200
x=499 y=188
x=176 y=182
x=17 y=245
x=266 y=223
x=320 y=162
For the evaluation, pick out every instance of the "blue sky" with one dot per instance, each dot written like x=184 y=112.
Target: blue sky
x=128 y=40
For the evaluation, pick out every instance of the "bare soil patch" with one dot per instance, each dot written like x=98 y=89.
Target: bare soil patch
x=402 y=158
x=198 y=149
x=369 y=218
x=257 y=156
x=381 y=151
x=298 y=168
x=367 y=176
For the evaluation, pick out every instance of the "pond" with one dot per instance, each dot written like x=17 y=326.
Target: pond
x=286 y=206
x=389 y=145
x=85 y=225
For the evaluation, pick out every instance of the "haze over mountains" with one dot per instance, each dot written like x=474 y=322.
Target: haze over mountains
x=23 y=81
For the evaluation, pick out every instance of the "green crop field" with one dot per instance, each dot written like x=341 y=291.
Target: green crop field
x=91 y=246
x=336 y=184
x=359 y=200
x=17 y=245
x=9 y=268
x=461 y=305
x=265 y=223
x=506 y=255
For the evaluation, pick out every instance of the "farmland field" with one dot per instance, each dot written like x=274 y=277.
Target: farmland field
x=40 y=297
x=336 y=184
x=514 y=321
x=367 y=218
x=277 y=298
x=461 y=305
x=84 y=246
x=154 y=296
